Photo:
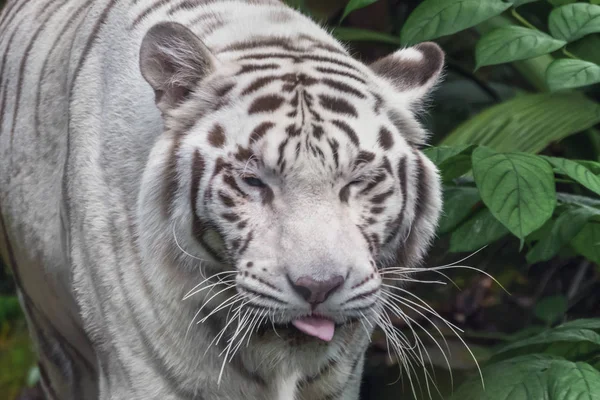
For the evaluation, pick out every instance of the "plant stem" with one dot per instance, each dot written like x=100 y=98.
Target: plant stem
x=583 y=267
x=522 y=20
x=569 y=54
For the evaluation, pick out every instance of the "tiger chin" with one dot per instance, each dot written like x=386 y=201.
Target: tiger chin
x=200 y=199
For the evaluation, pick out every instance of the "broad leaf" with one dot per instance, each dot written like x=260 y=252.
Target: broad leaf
x=583 y=323
x=559 y=342
x=479 y=230
x=512 y=43
x=568 y=198
x=355 y=5
x=550 y=309
x=528 y=123
x=573 y=381
x=574 y=21
x=558 y=3
x=587 y=242
x=569 y=74
x=564 y=229
x=434 y=18
x=453 y=162
x=518 y=188
x=458 y=204
x=438 y=155
x=587 y=48
x=533 y=377
x=517 y=3
x=593 y=166
x=577 y=172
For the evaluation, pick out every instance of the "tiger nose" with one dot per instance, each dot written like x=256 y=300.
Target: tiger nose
x=316 y=292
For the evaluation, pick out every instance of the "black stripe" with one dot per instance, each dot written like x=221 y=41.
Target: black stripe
x=46 y=384
x=347 y=130
x=88 y=47
x=6 y=20
x=346 y=74
x=147 y=11
x=423 y=192
x=396 y=224
x=72 y=18
x=260 y=43
x=298 y=58
x=27 y=301
x=337 y=105
x=4 y=85
x=185 y=5
x=342 y=87
x=245 y=68
x=378 y=179
x=23 y=65
x=151 y=352
x=259 y=83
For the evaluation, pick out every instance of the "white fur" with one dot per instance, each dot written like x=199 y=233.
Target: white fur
x=98 y=257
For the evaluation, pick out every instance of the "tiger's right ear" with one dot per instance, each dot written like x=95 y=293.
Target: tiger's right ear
x=173 y=60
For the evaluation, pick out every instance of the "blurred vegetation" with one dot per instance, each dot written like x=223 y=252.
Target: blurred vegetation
x=516 y=135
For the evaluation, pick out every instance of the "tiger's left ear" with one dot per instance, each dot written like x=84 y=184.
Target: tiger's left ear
x=413 y=71
x=173 y=60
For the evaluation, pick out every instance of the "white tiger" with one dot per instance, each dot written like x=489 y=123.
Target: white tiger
x=148 y=144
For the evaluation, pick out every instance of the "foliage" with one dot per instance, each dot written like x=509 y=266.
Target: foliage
x=515 y=136
x=520 y=169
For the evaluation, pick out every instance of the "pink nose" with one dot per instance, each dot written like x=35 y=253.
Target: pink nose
x=316 y=292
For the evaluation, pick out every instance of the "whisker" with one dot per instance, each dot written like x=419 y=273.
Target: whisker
x=452 y=327
x=191 y=292
x=414 y=280
x=397 y=310
x=182 y=250
x=441 y=268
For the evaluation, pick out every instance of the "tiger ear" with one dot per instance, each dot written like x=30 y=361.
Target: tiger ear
x=413 y=71
x=173 y=60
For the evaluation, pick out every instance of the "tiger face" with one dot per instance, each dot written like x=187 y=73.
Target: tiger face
x=294 y=170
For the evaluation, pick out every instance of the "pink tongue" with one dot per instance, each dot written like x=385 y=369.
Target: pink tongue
x=317 y=327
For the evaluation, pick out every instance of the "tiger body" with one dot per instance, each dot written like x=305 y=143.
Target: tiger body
x=120 y=189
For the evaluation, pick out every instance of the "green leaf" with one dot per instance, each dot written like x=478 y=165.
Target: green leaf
x=517 y=3
x=458 y=204
x=569 y=74
x=550 y=309
x=528 y=123
x=452 y=161
x=557 y=3
x=583 y=323
x=558 y=342
x=479 y=230
x=360 y=35
x=564 y=229
x=593 y=166
x=574 y=21
x=533 y=377
x=355 y=5
x=577 y=172
x=518 y=188
x=512 y=43
x=434 y=18
x=587 y=48
x=574 y=381
x=587 y=242
x=568 y=198
x=438 y=155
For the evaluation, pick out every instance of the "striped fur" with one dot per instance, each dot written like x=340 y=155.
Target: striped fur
x=145 y=144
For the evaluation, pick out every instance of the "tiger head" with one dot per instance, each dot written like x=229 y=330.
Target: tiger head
x=290 y=171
